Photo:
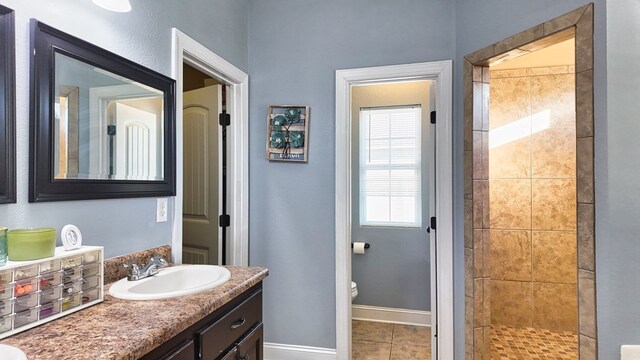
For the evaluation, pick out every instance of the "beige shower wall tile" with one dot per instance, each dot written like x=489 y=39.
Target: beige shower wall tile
x=564 y=21
x=553 y=101
x=477 y=73
x=481 y=212
x=586 y=237
x=507 y=73
x=468 y=105
x=511 y=303
x=509 y=101
x=486 y=75
x=480 y=155
x=468 y=174
x=486 y=252
x=477 y=106
x=479 y=346
x=555 y=306
x=549 y=70
x=553 y=204
x=587 y=299
x=478 y=255
x=485 y=155
x=584 y=41
x=478 y=302
x=511 y=160
x=468 y=320
x=486 y=96
x=468 y=272
x=588 y=350
x=486 y=283
x=554 y=256
x=510 y=204
x=584 y=104
x=584 y=170
x=554 y=153
x=468 y=224
x=511 y=255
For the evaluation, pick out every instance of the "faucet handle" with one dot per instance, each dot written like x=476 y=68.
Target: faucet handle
x=134 y=269
x=158 y=261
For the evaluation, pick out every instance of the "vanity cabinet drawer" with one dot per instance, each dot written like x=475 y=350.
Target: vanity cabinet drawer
x=231 y=355
x=184 y=352
x=222 y=334
x=250 y=348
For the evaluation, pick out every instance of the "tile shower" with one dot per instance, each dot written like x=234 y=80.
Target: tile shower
x=530 y=271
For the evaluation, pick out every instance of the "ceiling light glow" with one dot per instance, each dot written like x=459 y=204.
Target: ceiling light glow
x=114 y=5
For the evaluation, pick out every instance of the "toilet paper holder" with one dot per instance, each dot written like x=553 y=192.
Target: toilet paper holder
x=366 y=245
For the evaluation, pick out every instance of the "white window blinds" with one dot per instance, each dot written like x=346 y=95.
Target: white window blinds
x=390 y=166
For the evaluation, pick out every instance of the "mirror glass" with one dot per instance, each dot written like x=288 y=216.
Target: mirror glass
x=106 y=127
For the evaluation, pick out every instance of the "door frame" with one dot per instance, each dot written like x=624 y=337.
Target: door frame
x=189 y=51
x=442 y=270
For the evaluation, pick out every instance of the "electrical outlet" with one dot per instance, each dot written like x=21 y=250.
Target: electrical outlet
x=161 y=210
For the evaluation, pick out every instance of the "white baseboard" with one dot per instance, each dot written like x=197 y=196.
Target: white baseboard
x=294 y=352
x=391 y=315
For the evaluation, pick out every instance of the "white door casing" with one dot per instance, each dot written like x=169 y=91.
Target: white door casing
x=442 y=254
x=187 y=50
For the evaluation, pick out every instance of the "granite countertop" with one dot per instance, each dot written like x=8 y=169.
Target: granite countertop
x=122 y=329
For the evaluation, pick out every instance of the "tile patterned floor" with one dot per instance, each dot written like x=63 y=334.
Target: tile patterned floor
x=527 y=343
x=381 y=341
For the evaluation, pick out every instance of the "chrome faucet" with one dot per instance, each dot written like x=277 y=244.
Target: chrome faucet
x=153 y=267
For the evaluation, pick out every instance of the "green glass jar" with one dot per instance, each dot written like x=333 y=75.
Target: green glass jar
x=3 y=246
x=31 y=244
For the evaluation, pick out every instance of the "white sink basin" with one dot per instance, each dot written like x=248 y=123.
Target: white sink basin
x=171 y=282
x=8 y=352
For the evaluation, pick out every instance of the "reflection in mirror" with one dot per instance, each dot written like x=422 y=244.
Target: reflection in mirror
x=107 y=127
x=7 y=107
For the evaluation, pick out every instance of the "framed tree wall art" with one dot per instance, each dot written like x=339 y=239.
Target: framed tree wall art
x=287 y=133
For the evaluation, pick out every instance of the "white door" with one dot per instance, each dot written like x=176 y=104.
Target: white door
x=136 y=143
x=200 y=231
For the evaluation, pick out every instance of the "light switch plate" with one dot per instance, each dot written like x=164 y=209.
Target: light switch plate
x=162 y=209
x=630 y=352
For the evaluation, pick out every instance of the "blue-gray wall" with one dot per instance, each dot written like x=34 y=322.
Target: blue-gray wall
x=144 y=36
x=617 y=185
x=482 y=23
x=294 y=49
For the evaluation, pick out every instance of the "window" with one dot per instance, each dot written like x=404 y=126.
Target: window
x=390 y=166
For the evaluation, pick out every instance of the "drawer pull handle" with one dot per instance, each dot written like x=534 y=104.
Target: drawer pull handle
x=244 y=357
x=238 y=323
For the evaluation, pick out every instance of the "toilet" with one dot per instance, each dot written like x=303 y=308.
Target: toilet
x=354 y=290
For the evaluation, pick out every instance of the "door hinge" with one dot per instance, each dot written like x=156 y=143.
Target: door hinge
x=433 y=117
x=225 y=221
x=433 y=223
x=225 y=119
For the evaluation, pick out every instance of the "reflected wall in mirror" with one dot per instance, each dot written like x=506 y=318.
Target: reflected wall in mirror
x=102 y=126
x=106 y=126
x=7 y=107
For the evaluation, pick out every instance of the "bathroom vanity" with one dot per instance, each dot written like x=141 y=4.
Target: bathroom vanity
x=221 y=323
x=233 y=332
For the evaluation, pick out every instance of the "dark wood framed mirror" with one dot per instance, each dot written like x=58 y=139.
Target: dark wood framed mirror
x=7 y=107
x=102 y=126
